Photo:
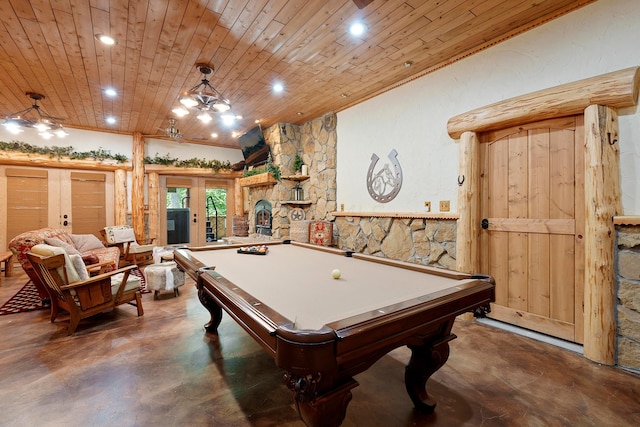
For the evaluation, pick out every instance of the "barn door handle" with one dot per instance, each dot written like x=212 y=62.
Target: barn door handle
x=485 y=223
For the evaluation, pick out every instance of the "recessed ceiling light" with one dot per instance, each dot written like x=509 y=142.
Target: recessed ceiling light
x=357 y=29
x=104 y=39
x=214 y=135
x=111 y=120
x=257 y=120
x=343 y=95
x=277 y=87
x=180 y=111
x=110 y=92
x=408 y=64
x=299 y=113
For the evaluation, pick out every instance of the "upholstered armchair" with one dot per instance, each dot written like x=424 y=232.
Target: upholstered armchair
x=131 y=252
x=72 y=289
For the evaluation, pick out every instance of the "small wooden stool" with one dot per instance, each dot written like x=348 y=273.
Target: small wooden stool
x=7 y=258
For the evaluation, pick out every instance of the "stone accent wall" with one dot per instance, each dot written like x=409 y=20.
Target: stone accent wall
x=423 y=241
x=628 y=297
x=315 y=141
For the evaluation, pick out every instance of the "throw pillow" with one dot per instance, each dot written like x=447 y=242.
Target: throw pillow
x=78 y=264
x=86 y=242
x=71 y=250
x=48 y=250
x=90 y=259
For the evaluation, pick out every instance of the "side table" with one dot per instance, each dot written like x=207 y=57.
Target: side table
x=7 y=258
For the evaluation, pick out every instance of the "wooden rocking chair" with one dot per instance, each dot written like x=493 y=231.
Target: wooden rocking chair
x=85 y=298
x=131 y=252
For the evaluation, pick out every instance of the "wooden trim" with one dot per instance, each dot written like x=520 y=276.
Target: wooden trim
x=120 y=197
x=38 y=160
x=530 y=225
x=617 y=89
x=203 y=172
x=258 y=180
x=137 y=184
x=451 y=216
x=602 y=202
x=468 y=227
x=626 y=220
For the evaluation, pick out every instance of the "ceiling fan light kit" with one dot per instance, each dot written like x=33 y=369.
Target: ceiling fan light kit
x=46 y=125
x=204 y=97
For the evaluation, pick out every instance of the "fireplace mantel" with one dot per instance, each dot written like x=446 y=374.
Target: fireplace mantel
x=258 y=180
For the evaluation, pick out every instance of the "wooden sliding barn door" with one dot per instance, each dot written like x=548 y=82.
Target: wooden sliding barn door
x=532 y=205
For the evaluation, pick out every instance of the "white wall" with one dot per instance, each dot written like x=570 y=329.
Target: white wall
x=593 y=40
x=86 y=140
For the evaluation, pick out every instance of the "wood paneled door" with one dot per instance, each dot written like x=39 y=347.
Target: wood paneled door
x=30 y=198
x=532 y=205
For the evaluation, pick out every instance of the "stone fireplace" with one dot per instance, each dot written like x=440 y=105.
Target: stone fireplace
x=315 y=142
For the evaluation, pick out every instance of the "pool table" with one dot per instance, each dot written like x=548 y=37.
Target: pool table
x=322 y=331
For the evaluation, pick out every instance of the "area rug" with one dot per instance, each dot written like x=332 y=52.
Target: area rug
x=27 y=299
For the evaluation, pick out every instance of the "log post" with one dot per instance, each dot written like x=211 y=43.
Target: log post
x=239 y=197
x=468 y=225
x=120 y=184
x=154 y=204
x=137 y=184
x=602 y=203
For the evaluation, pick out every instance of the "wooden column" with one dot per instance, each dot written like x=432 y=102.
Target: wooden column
x=137 y=186
x=468 y=224
x=239 y=197
x=120 y=194
x=154 y=205
x=602 y=203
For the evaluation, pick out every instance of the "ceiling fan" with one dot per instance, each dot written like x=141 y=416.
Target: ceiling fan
x=361 y=4
x=171 y=132
x=174 y=133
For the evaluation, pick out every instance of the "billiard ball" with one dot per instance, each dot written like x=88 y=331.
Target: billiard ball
x=335 y=274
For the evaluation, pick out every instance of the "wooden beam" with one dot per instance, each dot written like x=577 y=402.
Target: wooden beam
x=15 y=158
x=617 y=89
x=120 y=196
x=602 y=204
x=468 y=226
x=153 y=189
x=137 y=186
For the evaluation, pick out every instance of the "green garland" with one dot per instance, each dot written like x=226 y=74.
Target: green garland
x=268 y=167
x=100 y=155
x=59 y=152
x=166 y=160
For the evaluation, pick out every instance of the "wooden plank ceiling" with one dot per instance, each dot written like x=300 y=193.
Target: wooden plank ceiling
x=49 y=47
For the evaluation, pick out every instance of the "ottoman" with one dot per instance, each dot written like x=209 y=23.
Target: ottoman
x=165 y=276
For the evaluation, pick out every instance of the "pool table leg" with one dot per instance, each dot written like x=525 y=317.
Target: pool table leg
x=326 y=410
x=425 y=360
x=213 y=308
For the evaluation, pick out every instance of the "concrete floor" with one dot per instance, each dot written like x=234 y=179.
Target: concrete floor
x=162 y=369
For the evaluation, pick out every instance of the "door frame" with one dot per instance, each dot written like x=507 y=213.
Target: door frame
x=597 y=98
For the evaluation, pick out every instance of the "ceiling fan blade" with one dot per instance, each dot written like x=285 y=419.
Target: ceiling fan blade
x=361 y=4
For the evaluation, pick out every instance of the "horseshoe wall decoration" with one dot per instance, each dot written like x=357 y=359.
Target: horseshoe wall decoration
x=384 y=185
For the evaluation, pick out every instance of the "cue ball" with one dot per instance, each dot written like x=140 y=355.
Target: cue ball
x=335 y=274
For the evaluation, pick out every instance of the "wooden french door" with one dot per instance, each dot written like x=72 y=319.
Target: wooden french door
x=532 y=205
x=79 y=201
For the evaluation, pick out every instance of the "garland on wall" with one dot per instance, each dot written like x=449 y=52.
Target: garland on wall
x=101 y=155
x=166 y=160
x=268 y=167
x=59 y=152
